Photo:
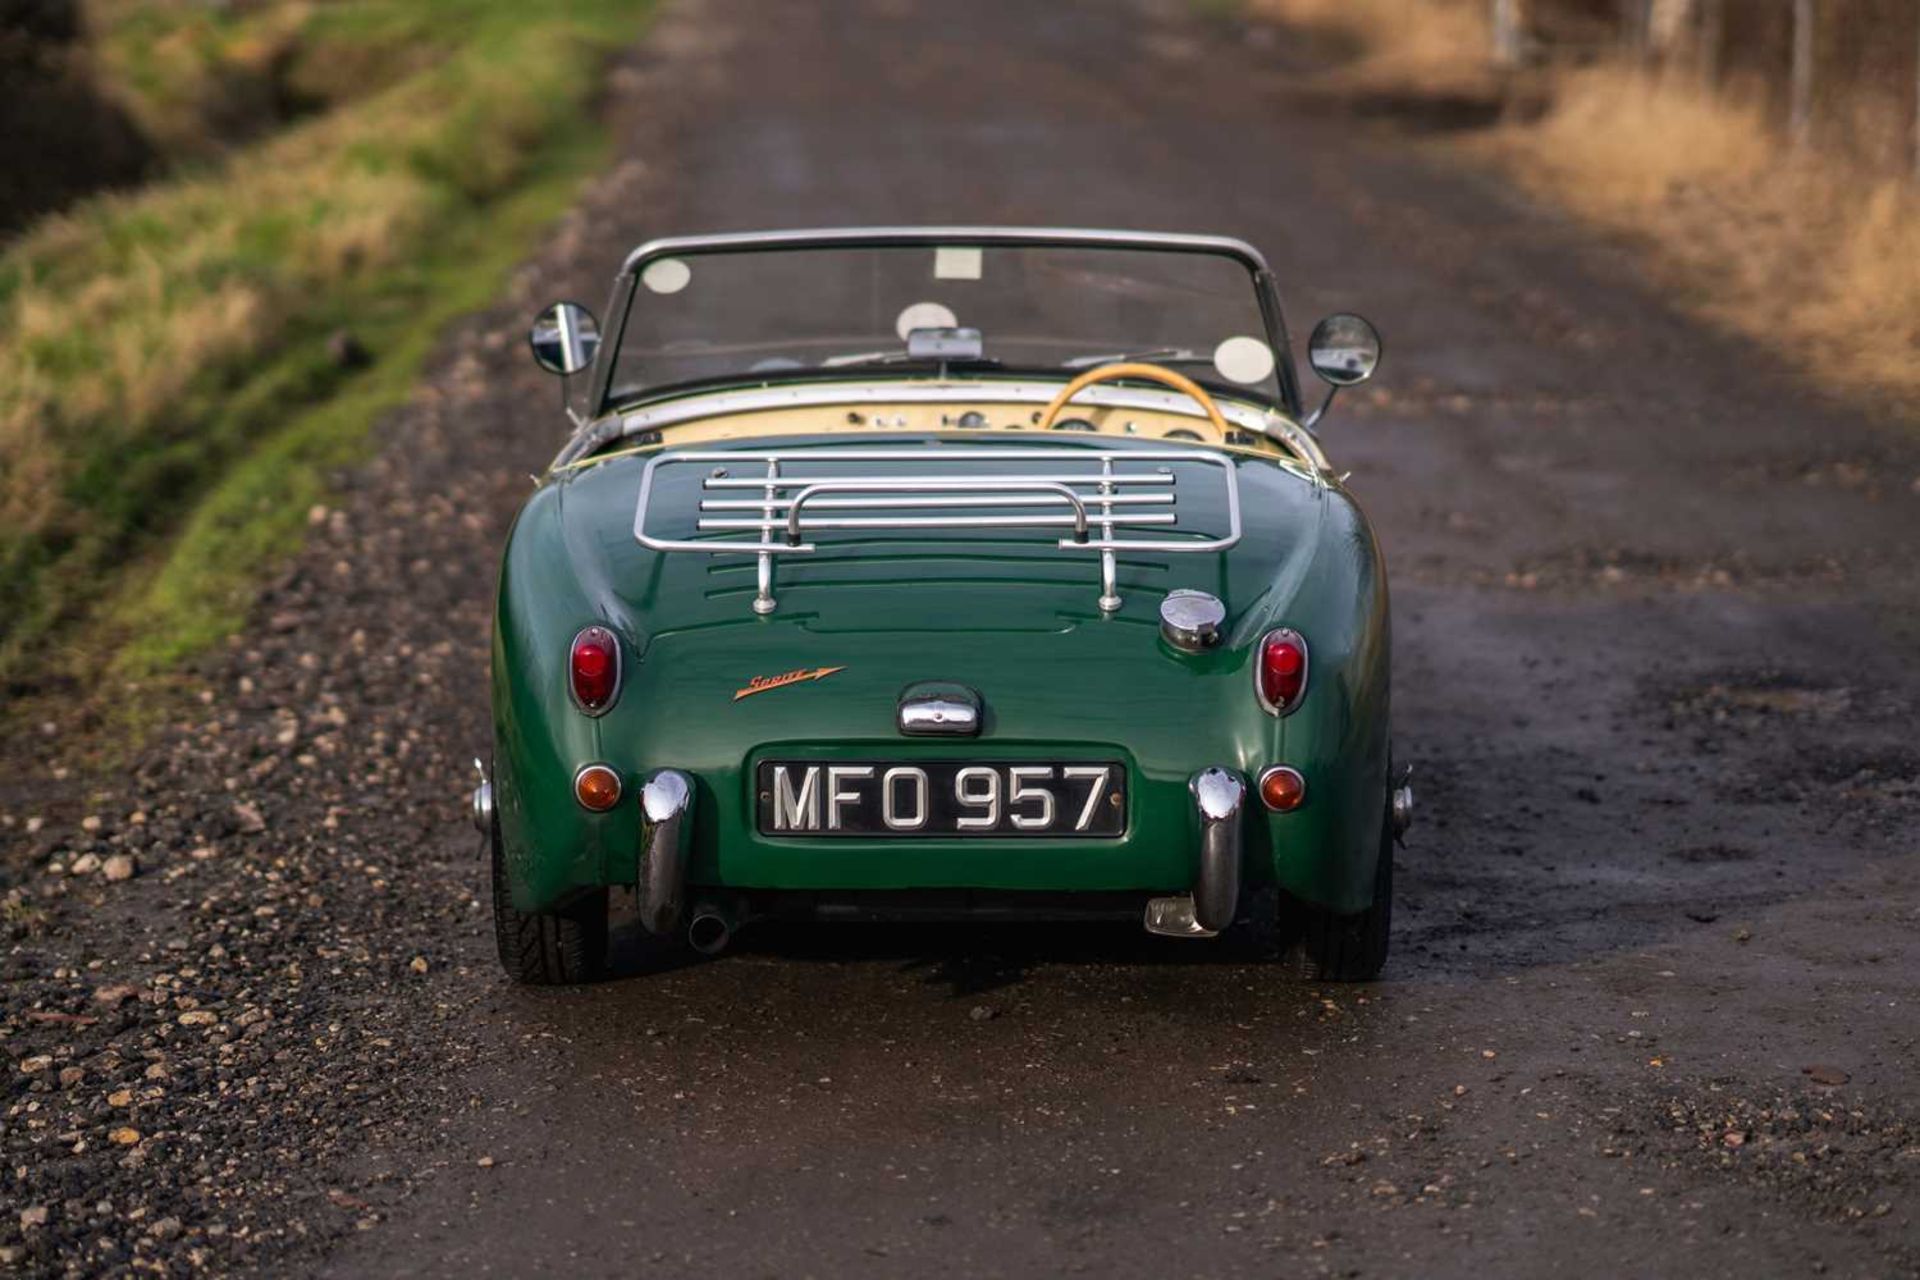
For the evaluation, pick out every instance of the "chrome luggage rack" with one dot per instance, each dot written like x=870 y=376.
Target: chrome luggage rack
x=1096 y=494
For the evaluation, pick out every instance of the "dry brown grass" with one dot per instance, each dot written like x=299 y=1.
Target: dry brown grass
x=1628 y=140
x=1813 y=254
x=1807 y=252
x=1434 y=46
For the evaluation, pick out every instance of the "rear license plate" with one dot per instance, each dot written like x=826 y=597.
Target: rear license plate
x=942 y=798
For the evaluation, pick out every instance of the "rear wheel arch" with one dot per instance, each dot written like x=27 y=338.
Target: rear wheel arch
x=1349 y=946
x=1339 y=736
x=546 y=948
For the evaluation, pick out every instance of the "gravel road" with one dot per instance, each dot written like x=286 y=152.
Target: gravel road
x=1654 y=1006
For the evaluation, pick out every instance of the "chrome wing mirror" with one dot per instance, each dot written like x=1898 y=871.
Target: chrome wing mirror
x=565 y=338
x=1344 y=350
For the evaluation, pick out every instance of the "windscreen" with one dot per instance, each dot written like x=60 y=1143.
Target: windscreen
x=862 y=310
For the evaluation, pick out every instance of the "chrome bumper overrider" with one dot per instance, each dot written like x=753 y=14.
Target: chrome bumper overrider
x=1219 y=796
x=482 y=801
x=1402 y=808
x=665 y=839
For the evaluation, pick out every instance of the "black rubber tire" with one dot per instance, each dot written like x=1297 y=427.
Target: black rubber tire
x=1337 y=948
x=548 y=948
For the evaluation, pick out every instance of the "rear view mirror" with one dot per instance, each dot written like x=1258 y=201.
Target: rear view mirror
x=944 y=344
x=1344 y=350
x=564 y=338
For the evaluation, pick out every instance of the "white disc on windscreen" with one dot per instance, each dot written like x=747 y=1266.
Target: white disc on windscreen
x=666 y=275
x=1244 y=360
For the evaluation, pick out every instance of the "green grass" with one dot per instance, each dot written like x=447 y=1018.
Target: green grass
x=168 y=409
x=198 y=77
x=256 y=515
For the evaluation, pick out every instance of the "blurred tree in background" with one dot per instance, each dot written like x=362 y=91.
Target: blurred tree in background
x=1836 y=74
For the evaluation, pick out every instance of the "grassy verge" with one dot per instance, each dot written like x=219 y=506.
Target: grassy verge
x=255 y=514
x=1809 y=253
x=171 y=395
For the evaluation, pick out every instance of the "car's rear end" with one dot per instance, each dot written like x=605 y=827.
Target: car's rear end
x=936 y=709
x=939 y=571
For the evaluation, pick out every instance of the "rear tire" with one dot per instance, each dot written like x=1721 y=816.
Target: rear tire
x=1341 y=948
x=547 y=948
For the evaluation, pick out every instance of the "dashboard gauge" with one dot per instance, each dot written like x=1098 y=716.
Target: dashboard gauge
x=1074 y=424
x=972 y=420
x=1181 y=433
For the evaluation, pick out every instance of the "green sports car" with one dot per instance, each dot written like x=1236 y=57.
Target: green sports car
x=936 y=573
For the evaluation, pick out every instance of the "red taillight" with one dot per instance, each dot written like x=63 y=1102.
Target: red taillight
x=594 y=668
x=1282 y=672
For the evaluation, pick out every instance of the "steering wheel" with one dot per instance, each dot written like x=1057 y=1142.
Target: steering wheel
x=1152 y=373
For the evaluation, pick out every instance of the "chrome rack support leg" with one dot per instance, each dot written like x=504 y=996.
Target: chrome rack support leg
x=1109 y=569
x=763 y=598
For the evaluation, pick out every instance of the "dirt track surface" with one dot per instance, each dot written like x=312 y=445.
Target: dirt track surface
x=1653 y=1001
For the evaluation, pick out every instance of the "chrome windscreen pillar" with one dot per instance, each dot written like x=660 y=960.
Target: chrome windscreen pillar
x=666 y=838
x=1219 y=797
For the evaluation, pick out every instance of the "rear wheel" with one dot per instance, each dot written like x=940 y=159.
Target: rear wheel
x=1341 y=948
x=547 y=948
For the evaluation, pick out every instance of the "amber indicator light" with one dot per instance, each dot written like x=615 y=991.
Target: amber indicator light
x=597 y=788
x=1282 y=789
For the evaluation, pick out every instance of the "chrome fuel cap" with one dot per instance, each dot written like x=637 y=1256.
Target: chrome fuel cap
x=1190 y=620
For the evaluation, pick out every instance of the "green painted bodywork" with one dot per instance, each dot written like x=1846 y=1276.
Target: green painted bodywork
x=1013 y=618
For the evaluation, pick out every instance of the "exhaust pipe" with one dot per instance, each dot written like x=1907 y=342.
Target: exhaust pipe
x=710 y=929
